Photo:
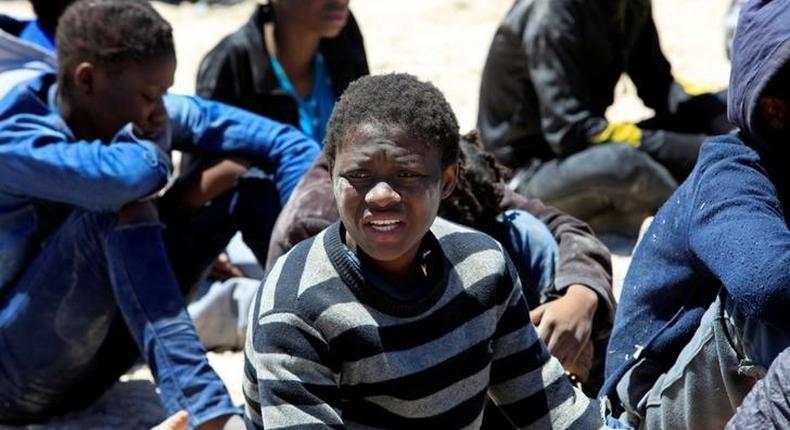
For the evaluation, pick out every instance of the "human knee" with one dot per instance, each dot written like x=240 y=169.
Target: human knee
x=638 y=165
x=143 y=212
x=630 y=162
x=532 y=242
x=539 y=237
x=638 y=174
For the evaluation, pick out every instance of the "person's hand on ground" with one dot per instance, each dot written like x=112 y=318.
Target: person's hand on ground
x=224 y=422
x=565 y=324
x=177 y=421
x=223 y=269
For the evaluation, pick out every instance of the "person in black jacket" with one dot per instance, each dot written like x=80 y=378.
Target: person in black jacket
x=548 y=79
x=289 y=62
x=271 y=65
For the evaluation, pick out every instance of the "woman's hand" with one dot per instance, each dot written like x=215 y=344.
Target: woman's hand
x=177 y=421
x=565 y=324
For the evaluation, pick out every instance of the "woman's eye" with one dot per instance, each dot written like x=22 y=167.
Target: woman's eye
x=407 y=174
x=357 y=175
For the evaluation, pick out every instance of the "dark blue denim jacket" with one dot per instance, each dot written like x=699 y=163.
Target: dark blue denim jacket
x=42 y=161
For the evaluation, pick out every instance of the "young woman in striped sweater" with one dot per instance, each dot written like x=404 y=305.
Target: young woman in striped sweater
x=392 y=318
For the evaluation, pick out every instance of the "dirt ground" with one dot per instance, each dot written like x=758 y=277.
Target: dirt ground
x=444 y=41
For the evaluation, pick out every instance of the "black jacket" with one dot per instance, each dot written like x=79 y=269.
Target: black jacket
x=238 y=71
x=551 y=73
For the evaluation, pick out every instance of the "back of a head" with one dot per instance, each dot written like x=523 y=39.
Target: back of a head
x=761 y=52
x=475 y=200
x=395 y=100
x=49 y=11
x=109 y=33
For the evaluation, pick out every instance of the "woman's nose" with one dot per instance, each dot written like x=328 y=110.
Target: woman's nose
x=382 y=195
x=159 y=113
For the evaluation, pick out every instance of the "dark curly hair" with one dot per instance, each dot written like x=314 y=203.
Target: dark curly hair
x=396 y=99
x=49 y=11
x=481 y=181
x=111 y=32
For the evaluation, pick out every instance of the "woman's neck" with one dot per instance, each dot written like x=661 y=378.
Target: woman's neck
x=78 y=120
x=294 y=49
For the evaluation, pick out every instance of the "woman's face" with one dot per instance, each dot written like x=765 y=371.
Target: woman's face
x=388 y=186
x=323 y=17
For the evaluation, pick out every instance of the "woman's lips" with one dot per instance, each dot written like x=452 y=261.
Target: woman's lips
x=384 y=229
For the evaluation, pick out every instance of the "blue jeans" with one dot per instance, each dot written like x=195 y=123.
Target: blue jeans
x=65 y=326
x=534 y=252
x=98 y=293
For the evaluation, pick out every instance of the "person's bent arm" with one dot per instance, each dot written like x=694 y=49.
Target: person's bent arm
x=211 y=127
x=583 y=258
x=739 y=233
x=527 y=383
x=89 y=174
x=310 y=209
x=554 y=59
x=289 y=378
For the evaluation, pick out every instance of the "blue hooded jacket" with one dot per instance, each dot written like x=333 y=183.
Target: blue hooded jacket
x=725 y=226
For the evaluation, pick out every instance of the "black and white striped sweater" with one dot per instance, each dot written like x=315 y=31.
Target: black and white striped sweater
x=325 y=349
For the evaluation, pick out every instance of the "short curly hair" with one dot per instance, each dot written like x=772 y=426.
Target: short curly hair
x=395 y=100
x=111 y=32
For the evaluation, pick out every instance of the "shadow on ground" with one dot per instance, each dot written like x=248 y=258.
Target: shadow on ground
x=128 y=405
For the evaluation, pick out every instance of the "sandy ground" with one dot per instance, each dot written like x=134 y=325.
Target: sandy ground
x=444 y=41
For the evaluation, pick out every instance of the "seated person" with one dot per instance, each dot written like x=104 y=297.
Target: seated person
x=41 y=31
x=703 y=311
x=393 y=318
x=548 y=79
x=88 y=268
x=549 y=264
x=27 y=47
x=562 y=284
x=289 y=62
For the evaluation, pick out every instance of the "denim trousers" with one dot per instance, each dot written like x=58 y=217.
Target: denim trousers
x=611 y=186
x=98 y=293
x=532 y=248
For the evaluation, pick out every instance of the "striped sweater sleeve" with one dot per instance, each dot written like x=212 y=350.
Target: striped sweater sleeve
x=528 y=383
x=293 y=383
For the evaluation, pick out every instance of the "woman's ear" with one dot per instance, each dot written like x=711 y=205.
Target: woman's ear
x=449 y=179
x=775 y=112
x=84 y=77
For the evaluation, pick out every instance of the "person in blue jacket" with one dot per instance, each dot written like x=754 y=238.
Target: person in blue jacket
x=27 y=47
x=89 y=275
x=705 y=306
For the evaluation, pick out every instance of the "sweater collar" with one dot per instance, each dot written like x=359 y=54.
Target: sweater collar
x=352 y=274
